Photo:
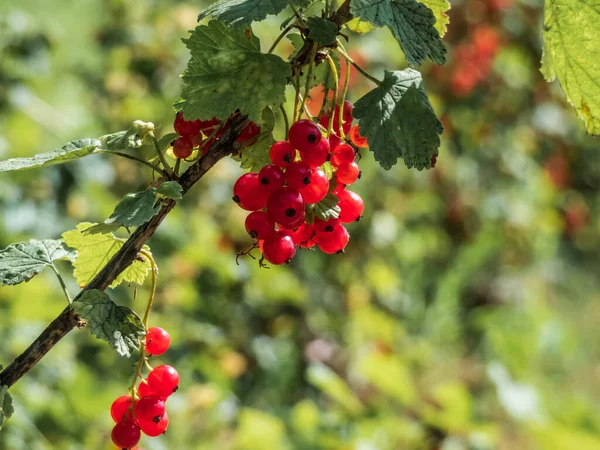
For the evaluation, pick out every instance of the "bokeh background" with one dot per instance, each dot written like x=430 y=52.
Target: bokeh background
x=463 y=316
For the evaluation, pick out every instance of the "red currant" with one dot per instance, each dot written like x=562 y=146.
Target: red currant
x=357 y=139
x=182 y=147
x=317 y=157
x=271 y=177
x=186 y=128
x=143 y=389
x=250 y=132
x=351 y=206
x=126 y=434
x=317 y=189
x=325 y=226
x=150 y=408
x=282 y=153
x=342 y=154
x=333 y=241
x=249 y=193
x=303 y=236
x=119 y=408
x=207 y=126
x=157 y=341
x=260 y=225
x=304 y=135
x=348 y=173
x=298 y=175
x=334 y=141
x=286 y=207
x=153 y=429
x=279 y=248
x=163 y=381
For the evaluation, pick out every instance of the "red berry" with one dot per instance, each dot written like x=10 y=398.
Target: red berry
x=348 y=173
x=186 y=128
x=286 y=207
x=150 y=408
x=342 y=154
x=209 y=125
x=153 y=429
x=347 y=117
x=260 y=225
x=303 y=236
x=126 y=434
x=250 y=132
x=282 y=153
x=157 y=341
x=325 y=226
x=334 y=141
x=279 y=248
x=333 y=241
x=163 y=381
x=271 y=177
x=357 y=139
x=248 y=193
x=351 y=206
x=182 y=147
x=304 y=135
x=324 y=121
x=298 y=175
x=317 y=157
x=119 y=408
x=143 y=389
x=317 y=189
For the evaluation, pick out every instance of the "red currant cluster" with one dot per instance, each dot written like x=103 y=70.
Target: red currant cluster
x=201 y=134
x=144 y=410
x=287 y=196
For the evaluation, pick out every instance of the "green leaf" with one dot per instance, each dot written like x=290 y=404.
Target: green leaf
x=390 y=375
x=6 y=406
x=327 y=208
x=411 y=22
x=165 y=141
x=439 y=9
x=171 y=189
x=118 y=325
x=68 y=152
x=227 y=71
x=257 y=156
x=21 y=262
x=135 y=137
x=360 y=26
x=321 y=30
x=95 y=250
x=321 y=73
x=399 y=121
x=244 y=12
x=572 y=54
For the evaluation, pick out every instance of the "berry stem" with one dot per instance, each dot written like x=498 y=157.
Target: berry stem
x=162 y=158
x=297 y=98
x=311 y=63
x=356 y=66
x=342 y=100
x=62 y=283
x=280 y=37
x=285 y=120
x=134 y=158
x=335 y=92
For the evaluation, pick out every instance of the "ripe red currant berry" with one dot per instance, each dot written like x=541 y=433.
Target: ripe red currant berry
x=163 y=381
x=334 y=141
x=286 y=207
x=303 y=236
x=250 y=132
x=126 y=434
x=119 y=408
x=304 y=135
x=351 y=206
x=342 y=154
x=325 y=226
x=317 y=189
x=153 y=429
x=207 y=126
x=357 y=139
x=182 y=147
x=298 y=175
x=279 y=248
x=347 y=117
x=150 y=408
x=324 y=121
x=282 y=153
x=144 y=389
x=348 y=173
x=157 y=341
x=249 y=193
x=271 y=177
x=186 y=128
x=333 y=241
x=317 y=157
x=260 y=225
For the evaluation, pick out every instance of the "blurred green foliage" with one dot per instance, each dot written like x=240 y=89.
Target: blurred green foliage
x=463 y=315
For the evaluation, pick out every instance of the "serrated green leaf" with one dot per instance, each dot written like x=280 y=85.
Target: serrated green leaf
x=227 y=71
x=6 y=406
x=120 y=326
x=411 y=22
x=321 y=73
x=95 y=250
x=68 y=152
x=21 y=262
x=244 y=12
x=360 y=26
x=327 y=208
x=135 y=137
x=439 y=9
x=399 y=121
x=321 y=30
x=257 y=156
x=170 y=189
x=572 y=54
x=267 y=119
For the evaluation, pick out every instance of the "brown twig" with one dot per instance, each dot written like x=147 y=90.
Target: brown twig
x=67 y=320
